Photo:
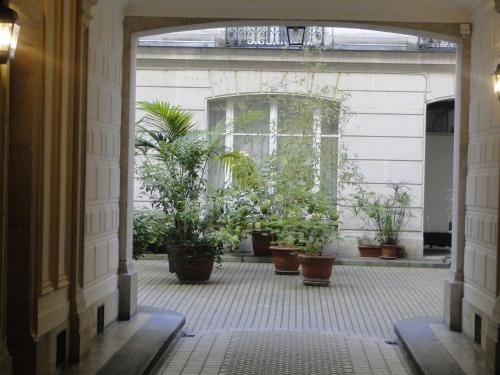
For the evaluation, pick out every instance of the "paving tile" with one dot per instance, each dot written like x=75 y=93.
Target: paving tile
x=248 y=320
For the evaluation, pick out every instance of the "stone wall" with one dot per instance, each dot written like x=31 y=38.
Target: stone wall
x=482 y=217
x=100 y=266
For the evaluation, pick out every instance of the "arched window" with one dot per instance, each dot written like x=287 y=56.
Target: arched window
x=264 y=125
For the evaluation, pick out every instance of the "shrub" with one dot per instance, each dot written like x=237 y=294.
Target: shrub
x=150 y=232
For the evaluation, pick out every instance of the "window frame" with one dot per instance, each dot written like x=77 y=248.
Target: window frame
x=273 y=134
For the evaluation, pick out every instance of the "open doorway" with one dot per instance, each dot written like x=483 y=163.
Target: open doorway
x=249 y=73
x=438 y=177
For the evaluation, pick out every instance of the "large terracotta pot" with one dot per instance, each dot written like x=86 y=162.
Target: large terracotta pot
x=370 y=251
x=261 y=241
x=285 y=260
x=316 y=269
x=193 y=264
x=390 y=251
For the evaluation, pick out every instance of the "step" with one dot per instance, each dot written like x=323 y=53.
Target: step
x=435 y=350
x=351 y=261
x=131 y=347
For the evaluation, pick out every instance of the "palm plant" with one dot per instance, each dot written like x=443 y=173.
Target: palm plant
x=173 y=172
x=162 y=123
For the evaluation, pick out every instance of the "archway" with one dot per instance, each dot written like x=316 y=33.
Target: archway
x=136 y=27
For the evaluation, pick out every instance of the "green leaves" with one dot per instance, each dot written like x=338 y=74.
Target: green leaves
x=387 y=215
x=162 y=123
x=150 y=231
x=173 y=176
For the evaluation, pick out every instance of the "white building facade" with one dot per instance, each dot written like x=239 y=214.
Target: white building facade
x=385 y=81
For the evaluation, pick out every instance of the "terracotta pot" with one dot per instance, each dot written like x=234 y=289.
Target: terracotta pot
x=316 y=269
x=192 y=263
x=390 y=251
x=370 y=251
x=261 y=241
x=285 y=260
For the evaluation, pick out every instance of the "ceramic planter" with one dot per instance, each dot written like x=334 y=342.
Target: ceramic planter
x=316 y=269
x=285 y=260
x=390 y=251
x=261 y=241
x=370 y=251
x=193 y=264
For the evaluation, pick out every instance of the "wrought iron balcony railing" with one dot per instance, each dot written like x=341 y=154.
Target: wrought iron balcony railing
x=326 y=38
x=435 y=44
x=270 y=36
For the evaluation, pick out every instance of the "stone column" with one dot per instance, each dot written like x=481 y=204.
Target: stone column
x=127 y=273
x=77 y=337
x=454 y=285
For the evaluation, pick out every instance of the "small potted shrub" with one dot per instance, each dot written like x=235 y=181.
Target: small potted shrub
x=285 y=248
x=247 y=208
x=310 y=222
x=386 y=215
x=369 y=247
x=318 y=230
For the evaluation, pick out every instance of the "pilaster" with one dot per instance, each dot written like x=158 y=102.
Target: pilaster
x=77 y=323
x=127 y=274
x=454 y=285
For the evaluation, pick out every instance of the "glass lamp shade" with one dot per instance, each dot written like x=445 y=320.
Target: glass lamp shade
x=9 y=33
x=496 y=82
x=295 y=35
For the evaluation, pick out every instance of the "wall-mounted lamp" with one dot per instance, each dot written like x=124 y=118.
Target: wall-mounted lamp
x=295 y=35
x=496 y=81
x=9 y=33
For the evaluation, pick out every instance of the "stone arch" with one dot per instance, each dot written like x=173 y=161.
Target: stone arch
x=136 y=26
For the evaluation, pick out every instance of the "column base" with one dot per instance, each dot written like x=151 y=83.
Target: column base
x=453 y=293
x=127 y=286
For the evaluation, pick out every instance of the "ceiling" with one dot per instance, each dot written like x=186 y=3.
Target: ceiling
x=447 y=11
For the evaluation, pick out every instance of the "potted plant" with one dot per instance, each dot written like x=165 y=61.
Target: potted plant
x=172 y=172
x=248 y=207
x=317 y=229
x=285 y=247
x=386 y=215
x=369 y=247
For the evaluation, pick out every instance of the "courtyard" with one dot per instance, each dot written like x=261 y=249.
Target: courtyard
x=249 y=320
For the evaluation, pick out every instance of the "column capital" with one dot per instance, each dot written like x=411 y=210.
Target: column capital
x=86 y=7
x=465 y=30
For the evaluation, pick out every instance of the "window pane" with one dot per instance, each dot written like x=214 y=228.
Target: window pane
x=295 y=115
x=215 y=173
x=216 y=113
x=293 y=154
x=329 y=154
x=256 y=146
x=216 y=117
x=251 y=115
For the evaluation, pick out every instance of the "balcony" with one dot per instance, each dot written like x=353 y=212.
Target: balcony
x=316 y=37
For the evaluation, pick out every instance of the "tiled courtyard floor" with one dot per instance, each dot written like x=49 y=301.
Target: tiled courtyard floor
x=248 y=320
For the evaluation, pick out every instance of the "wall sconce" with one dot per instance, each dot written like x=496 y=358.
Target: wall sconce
x=295 y=35
x=9 y=33
x=496 y=81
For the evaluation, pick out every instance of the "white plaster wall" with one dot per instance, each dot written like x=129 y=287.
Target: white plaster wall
x=481 y=226
x=103 y=153
x=438 y=182
x=385 y=135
